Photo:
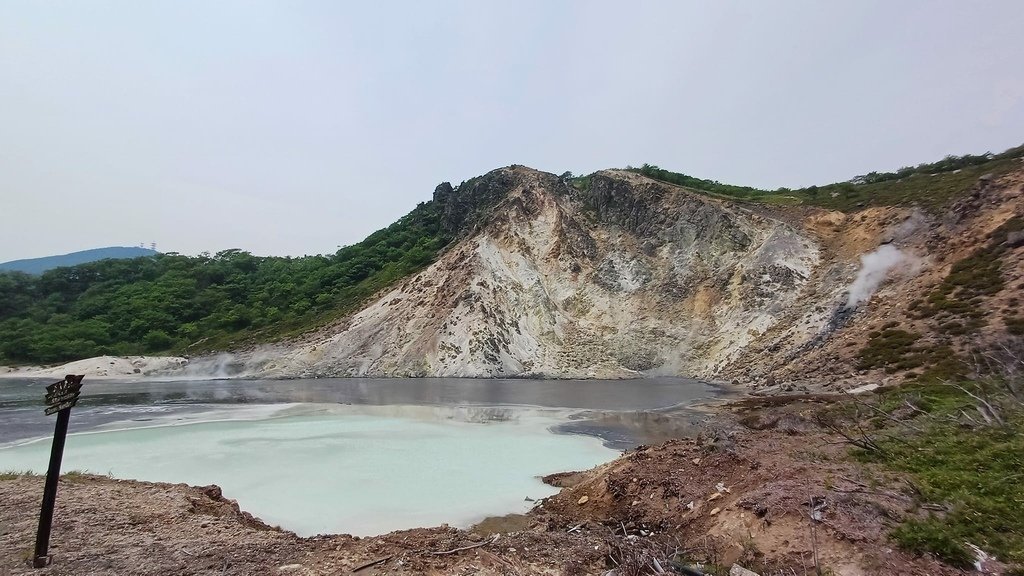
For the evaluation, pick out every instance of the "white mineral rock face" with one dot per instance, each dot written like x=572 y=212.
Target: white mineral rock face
x=628 y=277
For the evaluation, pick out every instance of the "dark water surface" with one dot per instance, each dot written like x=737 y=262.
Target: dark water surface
x=618 y=411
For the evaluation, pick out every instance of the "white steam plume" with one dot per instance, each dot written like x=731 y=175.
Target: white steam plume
x=874 y=267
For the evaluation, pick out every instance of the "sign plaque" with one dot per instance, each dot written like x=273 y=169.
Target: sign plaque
x=60 y=398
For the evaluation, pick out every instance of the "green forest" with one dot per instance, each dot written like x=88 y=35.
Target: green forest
x=182 y=304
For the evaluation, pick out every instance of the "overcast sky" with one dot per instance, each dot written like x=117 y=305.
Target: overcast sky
x=295 y=127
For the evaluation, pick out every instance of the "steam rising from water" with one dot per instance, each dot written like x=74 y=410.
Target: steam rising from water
x=228 y=365
x=874 y=267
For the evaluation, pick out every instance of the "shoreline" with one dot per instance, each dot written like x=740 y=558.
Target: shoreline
x=101 y=367
x=730 y=491
x=175 y=368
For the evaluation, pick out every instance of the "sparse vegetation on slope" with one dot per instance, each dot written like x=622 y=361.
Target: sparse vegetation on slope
x=970 y=281
x=952 y=310
x=947 y=164
x=931 y=185
x=713 y=186
x=930 y=191
x=963 y=451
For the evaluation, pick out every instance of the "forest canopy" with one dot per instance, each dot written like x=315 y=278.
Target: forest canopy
x=176 y=303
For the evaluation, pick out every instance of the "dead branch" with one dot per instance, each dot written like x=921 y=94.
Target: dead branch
x=866 y=491
x=1002 y=367
x=914 y=408
x=969 y=419
x=852 y=481
x=865 y=442
x=372 y=563
x=983 y=406
x=814 y=536
x=888 y=416
x=914 y=487
x=470 y=547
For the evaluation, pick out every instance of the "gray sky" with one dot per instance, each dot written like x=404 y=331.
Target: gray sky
x=296 y=127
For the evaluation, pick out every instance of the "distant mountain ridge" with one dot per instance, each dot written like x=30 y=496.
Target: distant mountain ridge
x=40 y=265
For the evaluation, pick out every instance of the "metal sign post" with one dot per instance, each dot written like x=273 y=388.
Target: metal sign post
x=60 y=398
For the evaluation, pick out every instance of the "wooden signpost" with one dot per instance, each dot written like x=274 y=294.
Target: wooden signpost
x=60 y=398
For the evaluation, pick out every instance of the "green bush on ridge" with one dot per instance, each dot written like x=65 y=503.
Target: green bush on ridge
x=930 y=185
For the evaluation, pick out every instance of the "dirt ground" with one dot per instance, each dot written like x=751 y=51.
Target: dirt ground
x=743 y=491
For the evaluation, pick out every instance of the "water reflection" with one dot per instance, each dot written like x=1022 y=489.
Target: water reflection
x=616 y=410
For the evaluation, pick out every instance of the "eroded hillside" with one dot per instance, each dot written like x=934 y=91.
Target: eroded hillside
x=629 y=276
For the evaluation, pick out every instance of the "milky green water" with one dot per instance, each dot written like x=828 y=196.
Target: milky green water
x=336 y=471
x=356 y=455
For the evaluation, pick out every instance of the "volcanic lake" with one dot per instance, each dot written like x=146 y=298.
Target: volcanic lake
x=359 y=456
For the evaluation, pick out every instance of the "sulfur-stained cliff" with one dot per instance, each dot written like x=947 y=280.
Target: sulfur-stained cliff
x=627 y=276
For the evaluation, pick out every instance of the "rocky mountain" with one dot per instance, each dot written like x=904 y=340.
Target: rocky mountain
x=621 y=275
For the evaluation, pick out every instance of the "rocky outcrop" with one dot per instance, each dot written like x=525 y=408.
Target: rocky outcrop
x=463 y=208
x=626 y=277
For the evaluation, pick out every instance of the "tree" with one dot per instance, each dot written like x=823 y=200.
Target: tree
x=157 y=340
